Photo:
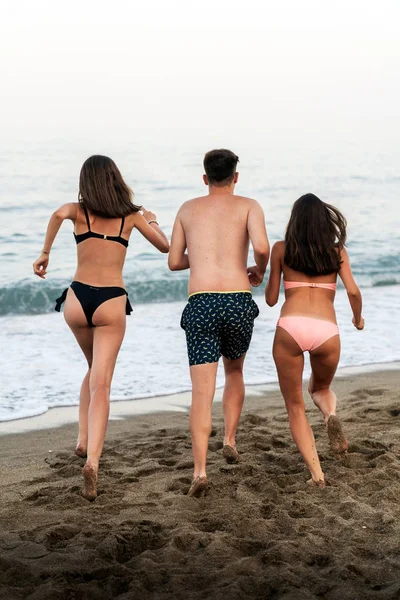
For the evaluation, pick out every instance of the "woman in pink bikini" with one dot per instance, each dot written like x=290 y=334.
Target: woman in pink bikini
x=310 y=258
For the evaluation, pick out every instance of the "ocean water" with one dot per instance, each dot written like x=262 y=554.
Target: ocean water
x=40 y=363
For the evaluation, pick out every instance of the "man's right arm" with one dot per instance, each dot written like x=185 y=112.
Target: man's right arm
x=259 y=241
x=177 y=258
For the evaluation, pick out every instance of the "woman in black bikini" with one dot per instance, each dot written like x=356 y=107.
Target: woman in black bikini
x=96 y=303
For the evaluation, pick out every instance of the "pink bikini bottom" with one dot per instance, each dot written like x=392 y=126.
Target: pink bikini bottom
x=307 y=332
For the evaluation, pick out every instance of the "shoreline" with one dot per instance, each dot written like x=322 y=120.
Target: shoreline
x=56 y=417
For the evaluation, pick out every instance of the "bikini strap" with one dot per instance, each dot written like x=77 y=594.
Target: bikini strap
x=86 y=215
x=122 y=226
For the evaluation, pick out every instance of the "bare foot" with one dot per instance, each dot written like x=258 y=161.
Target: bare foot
x=89 y=490
x=318 y=484
x=198 y=486
x=337 y=440
x=230 y=454
x=80 y=451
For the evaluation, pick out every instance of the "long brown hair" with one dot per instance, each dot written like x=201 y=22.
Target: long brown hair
x=315 y=235
x=102 y=189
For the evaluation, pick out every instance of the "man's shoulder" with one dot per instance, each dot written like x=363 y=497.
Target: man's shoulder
x=248 y=202
x=193 y=200
x=245 y=199
x=190 y=204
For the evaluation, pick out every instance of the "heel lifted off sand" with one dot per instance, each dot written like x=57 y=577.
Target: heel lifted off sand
x=198 y=486
x=80 y=451
x=230 y=454
x=337 y=440
x=89 y=490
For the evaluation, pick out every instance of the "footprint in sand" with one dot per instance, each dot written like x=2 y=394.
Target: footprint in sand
x=168 y=462
x=215 y=445
x=267 y=510
x=354 y=459
x=279 y=442
x=56 y=537
x=180 y=485
x=252 y=419
x=192 y=541
x=184 y=464
x=283 y=418
x=69 y=471
x=304 y=510
x=61 y=460
x=318 y=560
x=57 y=498
x=127 y=479
x=42 y=496
x=144 y=467
x=281 y=463
x=394 y=412
x=140 y=537
x=368 y=447
x=362 y=393
x=263 y=446
x=66 y=465
x=211 y=524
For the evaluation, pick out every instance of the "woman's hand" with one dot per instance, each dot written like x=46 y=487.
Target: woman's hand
x=152 y=233
x=40 y=265
x=360 y=324
x=148 y=215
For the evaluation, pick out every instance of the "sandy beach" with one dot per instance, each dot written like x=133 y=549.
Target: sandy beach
x=259 y=532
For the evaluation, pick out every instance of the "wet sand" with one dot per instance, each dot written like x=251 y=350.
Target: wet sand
x=258 y=532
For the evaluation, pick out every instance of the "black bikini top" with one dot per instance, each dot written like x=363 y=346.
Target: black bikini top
x=101 y=236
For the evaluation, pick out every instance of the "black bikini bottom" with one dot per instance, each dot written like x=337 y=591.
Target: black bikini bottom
x=92 y=297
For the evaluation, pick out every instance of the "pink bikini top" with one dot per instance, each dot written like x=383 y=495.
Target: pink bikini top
x=294 y=284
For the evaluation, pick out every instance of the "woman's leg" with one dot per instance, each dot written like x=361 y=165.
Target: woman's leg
x=110 y=321
x=84 y=401
x=289 y=362
x=324 y=361
x=77 y=322
x=100 y=345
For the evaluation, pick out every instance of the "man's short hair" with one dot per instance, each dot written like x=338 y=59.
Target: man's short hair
x=220 y=166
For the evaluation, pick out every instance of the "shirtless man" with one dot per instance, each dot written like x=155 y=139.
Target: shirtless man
x=218 y=319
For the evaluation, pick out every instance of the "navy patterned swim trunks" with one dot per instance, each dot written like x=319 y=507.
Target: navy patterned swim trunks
x=218 y=323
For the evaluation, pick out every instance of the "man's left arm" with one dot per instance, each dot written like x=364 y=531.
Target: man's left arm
x=259 y=240
x=177 y=258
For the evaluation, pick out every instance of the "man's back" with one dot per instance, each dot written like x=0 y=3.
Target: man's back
x=215 y=228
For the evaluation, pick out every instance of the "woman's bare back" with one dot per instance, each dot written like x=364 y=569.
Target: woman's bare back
x=101 y=260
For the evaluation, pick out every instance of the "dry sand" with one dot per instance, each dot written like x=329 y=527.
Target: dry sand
x=259 y=532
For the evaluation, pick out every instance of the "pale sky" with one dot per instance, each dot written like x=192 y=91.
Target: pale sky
x=181 y=68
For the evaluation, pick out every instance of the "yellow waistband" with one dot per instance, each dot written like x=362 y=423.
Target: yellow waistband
x=215 y=292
